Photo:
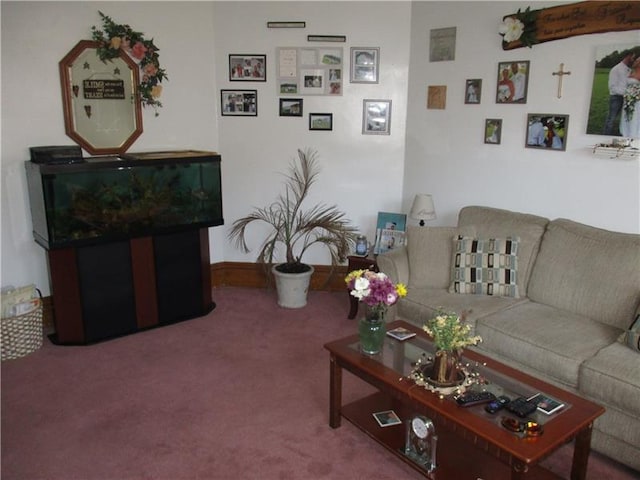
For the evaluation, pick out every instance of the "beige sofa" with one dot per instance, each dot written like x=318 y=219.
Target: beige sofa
x=574 y=294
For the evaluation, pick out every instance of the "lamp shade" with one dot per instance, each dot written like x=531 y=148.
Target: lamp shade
x=422 y=208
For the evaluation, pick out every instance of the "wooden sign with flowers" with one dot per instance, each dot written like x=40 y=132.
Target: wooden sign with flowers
x=530 y=27
x=113 y=38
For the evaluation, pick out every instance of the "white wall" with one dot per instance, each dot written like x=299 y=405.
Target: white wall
x=360 y=173
x=446 y=155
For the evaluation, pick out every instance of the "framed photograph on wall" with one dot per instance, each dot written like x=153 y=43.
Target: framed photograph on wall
x=376 y=117
x=513 y=82
x=365 y=62
x=247 y=68
x=291 y=107
x=493 y=131
x=239 y=103
x=547 y=131
x=321 y=121
x=473 y=90
x=442 y=44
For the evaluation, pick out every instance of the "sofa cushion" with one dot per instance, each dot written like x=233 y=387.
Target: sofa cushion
x=631 y=338
x=421 y=304
x=552 y=341
x=591 y=272
x=495 y=222
x=429 y=250
x=613 y=369
x=485 y=266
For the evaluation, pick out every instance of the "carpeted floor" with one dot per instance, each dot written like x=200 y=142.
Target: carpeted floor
x=239 y=394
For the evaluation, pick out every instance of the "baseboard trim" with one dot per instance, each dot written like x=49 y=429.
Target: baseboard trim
x=252 y=275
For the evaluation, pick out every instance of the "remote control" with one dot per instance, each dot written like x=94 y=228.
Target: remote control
x=497 y=404
x=521 y=407
x=469 y=399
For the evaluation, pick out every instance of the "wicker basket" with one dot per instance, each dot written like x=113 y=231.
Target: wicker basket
x=22 y=334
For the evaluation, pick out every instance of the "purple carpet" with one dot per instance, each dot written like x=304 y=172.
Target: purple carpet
x=239 y=394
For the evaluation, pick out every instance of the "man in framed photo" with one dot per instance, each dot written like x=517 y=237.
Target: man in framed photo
x=519 y=83
x=617 y=84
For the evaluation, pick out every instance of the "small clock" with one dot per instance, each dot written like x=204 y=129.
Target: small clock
x=420 y=427
x=420 y=444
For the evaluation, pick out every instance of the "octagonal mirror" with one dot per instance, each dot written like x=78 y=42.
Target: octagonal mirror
x=101 y=110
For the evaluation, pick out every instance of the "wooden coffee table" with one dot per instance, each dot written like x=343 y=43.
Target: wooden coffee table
x=471 y=443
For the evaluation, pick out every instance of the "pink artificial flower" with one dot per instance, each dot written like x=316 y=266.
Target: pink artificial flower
x=139 y=50
x=150 y=69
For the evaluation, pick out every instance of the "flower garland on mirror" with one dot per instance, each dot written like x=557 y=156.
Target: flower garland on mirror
x=114 y=38
x=520 y=26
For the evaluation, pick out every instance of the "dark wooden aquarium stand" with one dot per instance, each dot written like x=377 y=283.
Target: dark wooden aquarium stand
x=127 y=240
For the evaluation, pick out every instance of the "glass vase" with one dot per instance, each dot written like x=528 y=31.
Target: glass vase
x=372 y=330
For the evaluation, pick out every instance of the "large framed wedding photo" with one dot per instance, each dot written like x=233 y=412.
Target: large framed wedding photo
x=513 y=82
x=247 y=68
x=365 y=62
x=376 y=117
x=239 y=103
x=547 y=131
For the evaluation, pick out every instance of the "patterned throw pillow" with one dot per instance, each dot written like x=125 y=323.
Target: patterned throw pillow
x=631 y=337
x=485 y=266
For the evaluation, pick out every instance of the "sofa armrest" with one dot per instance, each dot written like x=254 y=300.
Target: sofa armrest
x=395 y=264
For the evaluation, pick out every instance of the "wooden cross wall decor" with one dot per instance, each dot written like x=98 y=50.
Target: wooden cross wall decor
x=560 y=73
x=564 y=21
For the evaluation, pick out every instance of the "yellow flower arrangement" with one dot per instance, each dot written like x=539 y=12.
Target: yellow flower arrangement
x=450 y=332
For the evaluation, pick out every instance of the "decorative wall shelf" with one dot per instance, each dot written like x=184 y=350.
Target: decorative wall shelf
x=622 y=153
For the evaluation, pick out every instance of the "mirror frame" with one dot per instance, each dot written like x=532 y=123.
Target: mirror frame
x=65 y=66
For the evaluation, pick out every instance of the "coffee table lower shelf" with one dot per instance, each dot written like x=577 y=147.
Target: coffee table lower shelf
x=456 y=458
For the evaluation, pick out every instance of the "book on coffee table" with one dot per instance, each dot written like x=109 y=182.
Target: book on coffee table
x=400 y=333
x=545 y=403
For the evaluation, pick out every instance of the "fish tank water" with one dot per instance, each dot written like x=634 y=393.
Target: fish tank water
x=134 y=195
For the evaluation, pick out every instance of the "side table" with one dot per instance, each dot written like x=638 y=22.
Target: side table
x=357 y=262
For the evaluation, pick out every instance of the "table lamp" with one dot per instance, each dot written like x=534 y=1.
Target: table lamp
x=422 y=208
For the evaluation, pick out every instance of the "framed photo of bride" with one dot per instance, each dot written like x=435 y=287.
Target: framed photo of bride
x=606 y=113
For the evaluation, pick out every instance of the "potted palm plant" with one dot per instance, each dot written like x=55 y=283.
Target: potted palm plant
x=294 y=228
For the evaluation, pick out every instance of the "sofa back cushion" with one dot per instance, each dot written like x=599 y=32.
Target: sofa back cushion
x=429 y=251
x=494 y=223
x=588 y=271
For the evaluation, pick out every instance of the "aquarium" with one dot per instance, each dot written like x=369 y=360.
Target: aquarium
x=135 y=195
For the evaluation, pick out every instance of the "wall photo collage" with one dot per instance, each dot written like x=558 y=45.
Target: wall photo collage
x=308 y=71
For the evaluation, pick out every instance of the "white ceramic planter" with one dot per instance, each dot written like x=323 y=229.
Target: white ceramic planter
x=292 y=287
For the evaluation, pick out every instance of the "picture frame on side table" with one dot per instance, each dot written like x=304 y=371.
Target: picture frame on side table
x=376 y=117
x=247 y=68
x=390 y=231
x=321 y=121
x=241 y=103
x=493 y=131
x=547 y=131
x=291 y=107
x=365 y=64
x=513 y=82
